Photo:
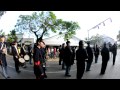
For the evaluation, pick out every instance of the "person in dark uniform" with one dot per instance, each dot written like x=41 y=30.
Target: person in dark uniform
x=114 y=51
x=43 y=52
x=96 y=52
x=67 y=58
x=37 y=58
x=23 y=53
x=30 y=53
x=62 y=55
x=90 y=56
x=81 y=56
x=35 y=46
x=60 y=60
x=110 y=49
x=15 y=56
x=105 y=58
x=3 y=52
x=73 y=55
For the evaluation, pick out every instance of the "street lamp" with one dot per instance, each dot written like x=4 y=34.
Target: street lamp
x=91 y=29
x=103 y=22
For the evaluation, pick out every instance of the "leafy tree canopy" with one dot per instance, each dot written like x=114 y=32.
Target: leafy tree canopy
x=41 y=23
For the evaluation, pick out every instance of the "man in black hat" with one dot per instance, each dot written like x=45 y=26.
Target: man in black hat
x=30 y=53
x=105 y=58
x=15 y=56
x=60 y=59
x=96 y=52
x=114 y=52
x=81 y=56
x=67 y=58
x=62 y=56
x=3 y=51
x=90 y=56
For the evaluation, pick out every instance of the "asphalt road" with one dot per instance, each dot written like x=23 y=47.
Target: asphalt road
x=54 y=70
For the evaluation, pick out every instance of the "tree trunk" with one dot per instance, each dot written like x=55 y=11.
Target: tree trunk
x=36 y=36
x=45 y=29
x=41 y=38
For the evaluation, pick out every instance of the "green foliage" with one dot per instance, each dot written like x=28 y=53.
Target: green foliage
x=37 y=23
x=41 y=23
x=12 y=36
x=69 y=29
x=1 y=32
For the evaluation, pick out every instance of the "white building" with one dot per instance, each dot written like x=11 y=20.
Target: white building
x=108 y=39
x=27 y=41
x=58 y=40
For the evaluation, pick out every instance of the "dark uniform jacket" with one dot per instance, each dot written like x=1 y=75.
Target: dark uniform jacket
x=90 y=53
x=14 y=52
x=43 y=54
x=81 y=56
x=96 y=51
x=3 y=56
x=73 y=55
x=37 y=61
x=105 y=54
x=22 y=52
x=68 y=56
x=114 y=49
x=29 y=50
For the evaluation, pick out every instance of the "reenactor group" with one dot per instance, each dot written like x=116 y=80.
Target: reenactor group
x=84 y=57
x=21 y=56
x=67 y=56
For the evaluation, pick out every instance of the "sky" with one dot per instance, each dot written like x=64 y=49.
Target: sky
x=86 y=20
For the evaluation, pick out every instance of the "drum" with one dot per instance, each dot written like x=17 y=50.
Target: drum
x=22 y=61
x=27 y=58
x=5 y=52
